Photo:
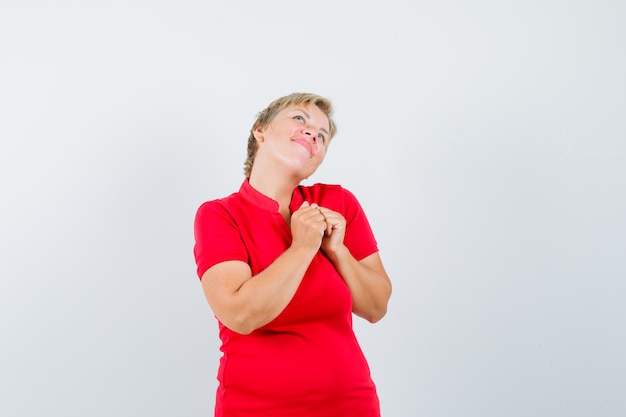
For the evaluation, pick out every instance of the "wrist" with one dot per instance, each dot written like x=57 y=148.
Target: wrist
x=337 y=254
x=303 y=251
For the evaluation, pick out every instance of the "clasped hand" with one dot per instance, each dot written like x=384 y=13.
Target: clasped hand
x=318 y=227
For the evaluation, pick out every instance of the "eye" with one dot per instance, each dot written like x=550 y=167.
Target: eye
x=321 y=137
x=299 y=118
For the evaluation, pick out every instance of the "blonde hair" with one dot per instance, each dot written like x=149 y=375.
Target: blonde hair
x=265 y=117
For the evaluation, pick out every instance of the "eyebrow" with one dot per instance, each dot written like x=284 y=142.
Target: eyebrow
x=309 y=117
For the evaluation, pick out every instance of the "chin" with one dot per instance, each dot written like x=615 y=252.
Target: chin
x=307 y=173
x=303 y=171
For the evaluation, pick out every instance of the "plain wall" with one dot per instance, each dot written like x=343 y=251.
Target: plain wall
x=485 y=140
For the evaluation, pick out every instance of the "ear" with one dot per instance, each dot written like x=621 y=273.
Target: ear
x=258 y=134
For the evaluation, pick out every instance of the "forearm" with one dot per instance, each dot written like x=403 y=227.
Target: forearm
x=243 y=302
x=368 y=283
x=263 y=297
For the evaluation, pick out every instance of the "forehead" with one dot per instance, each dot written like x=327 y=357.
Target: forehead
x=311 y=111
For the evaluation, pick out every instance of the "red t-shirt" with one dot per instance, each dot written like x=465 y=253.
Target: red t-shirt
x=307 y=361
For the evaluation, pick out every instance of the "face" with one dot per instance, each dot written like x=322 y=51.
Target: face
x=295 y=139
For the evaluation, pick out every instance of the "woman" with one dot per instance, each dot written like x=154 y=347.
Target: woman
x=283 y=267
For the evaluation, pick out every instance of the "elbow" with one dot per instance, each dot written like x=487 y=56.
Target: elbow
x=376 y=315
x=373 y=313
x=240 y=328
x=378 y=310
x=240 y=324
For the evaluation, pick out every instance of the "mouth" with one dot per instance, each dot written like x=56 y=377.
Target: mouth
x=306 y=145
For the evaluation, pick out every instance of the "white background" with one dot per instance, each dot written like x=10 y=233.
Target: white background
x=486 y=140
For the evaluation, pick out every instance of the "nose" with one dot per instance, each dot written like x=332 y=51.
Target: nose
x=310 y=133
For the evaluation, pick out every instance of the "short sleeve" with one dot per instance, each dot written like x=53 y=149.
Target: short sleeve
x=217 y=237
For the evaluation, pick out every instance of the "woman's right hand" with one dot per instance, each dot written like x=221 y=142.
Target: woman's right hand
x=307 y=226
x=243 y=302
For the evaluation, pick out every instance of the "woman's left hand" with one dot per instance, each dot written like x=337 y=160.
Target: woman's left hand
x=332 y=242
x=366 y=278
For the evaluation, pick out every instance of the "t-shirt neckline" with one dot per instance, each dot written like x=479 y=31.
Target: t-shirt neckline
x=260 y=200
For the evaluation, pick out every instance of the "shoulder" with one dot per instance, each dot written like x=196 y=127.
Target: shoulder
x=217 y=235
x=218 y=208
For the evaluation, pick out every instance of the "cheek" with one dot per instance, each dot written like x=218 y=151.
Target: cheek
x=293 y=128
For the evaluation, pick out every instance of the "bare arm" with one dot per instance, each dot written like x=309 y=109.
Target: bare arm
x=244 y=303
x=367 y=280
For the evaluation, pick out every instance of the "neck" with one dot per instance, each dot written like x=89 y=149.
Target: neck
x=273 y=186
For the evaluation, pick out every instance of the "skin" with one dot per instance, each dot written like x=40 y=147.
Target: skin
x=291 y=148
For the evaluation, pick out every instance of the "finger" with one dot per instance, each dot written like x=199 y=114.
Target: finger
x=326 y=212
x=310 y=214
x=330 y=215
x=335 y=222
x=328 y=227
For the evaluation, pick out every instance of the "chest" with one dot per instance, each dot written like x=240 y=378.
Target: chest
x=322 y=291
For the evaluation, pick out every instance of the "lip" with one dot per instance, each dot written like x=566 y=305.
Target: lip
x=305 y=144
